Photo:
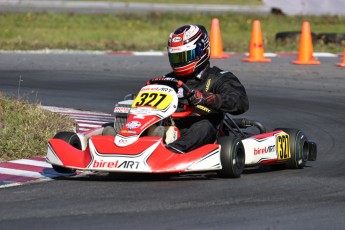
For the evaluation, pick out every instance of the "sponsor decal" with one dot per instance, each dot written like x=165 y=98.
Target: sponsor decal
x=191 y=32
x=165 y=90
x=149 y=89
x=175 y=49
x=116 y=164
x=169 y=78
x=207 y=110
x=128 y=131
x=180 y=92
x=157 y=88
x=121 y=110
x=122 y=141
x=141 y=110
x=268 y=149
x=176 y=39
x=208 y=83
x=133 y=124
x=139 y=117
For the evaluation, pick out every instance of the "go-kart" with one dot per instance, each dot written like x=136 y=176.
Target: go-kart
x=132 y=144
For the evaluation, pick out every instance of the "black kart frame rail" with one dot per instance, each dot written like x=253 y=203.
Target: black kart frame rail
x=235 y=125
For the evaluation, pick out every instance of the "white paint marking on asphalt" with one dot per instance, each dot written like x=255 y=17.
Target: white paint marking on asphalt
x=32 y=162
x=22 y=173
x=148 y=53
x=316 y=54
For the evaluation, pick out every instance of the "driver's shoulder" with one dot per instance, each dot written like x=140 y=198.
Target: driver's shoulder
x=217 y=77
x=219 y=73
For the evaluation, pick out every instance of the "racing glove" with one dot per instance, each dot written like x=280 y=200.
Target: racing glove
x=207 y=99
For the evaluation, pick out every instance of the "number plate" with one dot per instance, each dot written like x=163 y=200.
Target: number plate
x=159 y=100
x=283 y=146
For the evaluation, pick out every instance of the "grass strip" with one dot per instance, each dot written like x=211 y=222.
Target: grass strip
x=26 y=128
x=141 y=32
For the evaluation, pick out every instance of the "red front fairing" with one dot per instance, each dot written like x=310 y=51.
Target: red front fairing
x=106 y=153
x=105 y=145
x=69 y=155
x=164 y=160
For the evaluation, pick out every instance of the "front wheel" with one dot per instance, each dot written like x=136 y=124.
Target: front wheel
x=232 y=157
x=72 y=139
x=299 y=148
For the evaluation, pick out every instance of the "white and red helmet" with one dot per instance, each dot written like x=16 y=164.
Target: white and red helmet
x=188 y=49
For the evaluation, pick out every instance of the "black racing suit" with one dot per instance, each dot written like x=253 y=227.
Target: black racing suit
x=197 y=131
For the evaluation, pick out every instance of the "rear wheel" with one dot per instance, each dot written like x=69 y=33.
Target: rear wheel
x=232 y=157
x=299 y=148
x=72 y=139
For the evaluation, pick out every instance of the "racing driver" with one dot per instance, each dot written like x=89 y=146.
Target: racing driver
x=213 y=88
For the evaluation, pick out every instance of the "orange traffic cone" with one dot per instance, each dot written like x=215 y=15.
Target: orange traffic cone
x=305 y=52
x=342 y=64
x=216 y=40
x=256 y=47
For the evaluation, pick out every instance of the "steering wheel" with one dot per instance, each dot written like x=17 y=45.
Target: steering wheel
x=175 y=83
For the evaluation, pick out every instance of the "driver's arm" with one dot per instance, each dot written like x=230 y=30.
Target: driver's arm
x=232 y=94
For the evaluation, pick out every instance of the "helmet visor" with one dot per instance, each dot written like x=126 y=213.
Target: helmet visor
x=182 y=58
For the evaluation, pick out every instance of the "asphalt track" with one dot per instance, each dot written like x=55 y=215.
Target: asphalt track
x=310 y=98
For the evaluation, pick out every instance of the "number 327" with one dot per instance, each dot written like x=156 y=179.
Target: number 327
x=150 y=99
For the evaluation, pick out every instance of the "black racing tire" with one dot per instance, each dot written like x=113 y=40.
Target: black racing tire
x=335 y=38
x=72 y=139
x=288 y=36
x=299 y=148
x=108 y=124
x=232 y=157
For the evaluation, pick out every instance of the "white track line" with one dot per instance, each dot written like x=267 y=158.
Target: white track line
x=23 y=173
x=32 y=163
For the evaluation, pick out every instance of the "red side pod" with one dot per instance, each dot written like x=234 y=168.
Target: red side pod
x=268 y=162
x=69 y=155
x=265 y=135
